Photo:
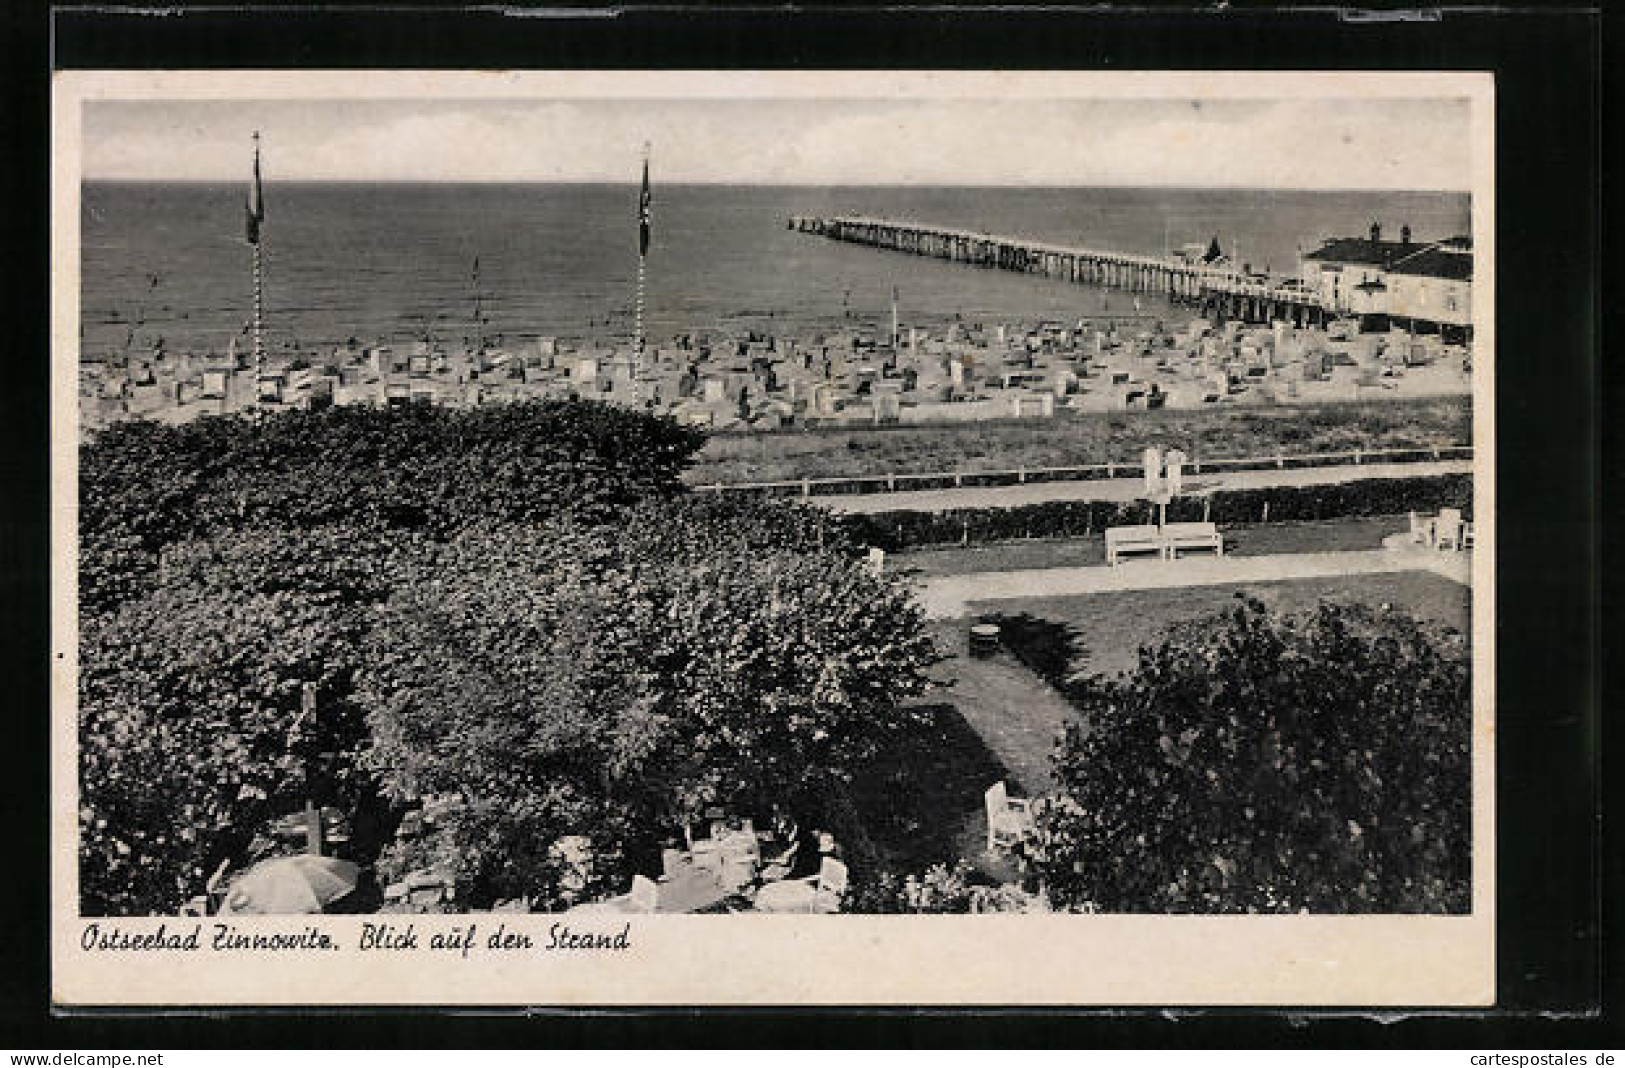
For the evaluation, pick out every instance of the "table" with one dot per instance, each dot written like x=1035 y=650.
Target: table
x=715 y=870
x=691 y=889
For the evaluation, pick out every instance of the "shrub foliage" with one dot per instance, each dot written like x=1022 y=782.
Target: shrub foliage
x=614 y=684
x=514 y=605
x=192 y=731
x=1260 y=763
x=899 y=530
x=144 y=485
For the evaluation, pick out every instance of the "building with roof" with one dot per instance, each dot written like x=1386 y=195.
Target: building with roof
x=1432 y=289
x=1426 y=286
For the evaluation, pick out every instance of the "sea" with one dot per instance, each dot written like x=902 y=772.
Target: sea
x=166 y=265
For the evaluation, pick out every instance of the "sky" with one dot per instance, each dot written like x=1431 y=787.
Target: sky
x=1350 y=143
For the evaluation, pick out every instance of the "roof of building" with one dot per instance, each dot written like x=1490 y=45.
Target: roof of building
x=1362 y=251
x=1437 y=261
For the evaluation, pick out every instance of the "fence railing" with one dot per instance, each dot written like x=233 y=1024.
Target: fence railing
x=1016 y=476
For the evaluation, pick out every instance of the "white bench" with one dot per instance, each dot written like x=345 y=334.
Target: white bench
x=1121 y=541
x=1193 y=536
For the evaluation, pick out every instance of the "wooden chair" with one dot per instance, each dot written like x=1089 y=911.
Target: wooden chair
x=1447 y=529
x=1421 y=529
x=644 y=897
x=822 y=892
x=833 y=880
x=1008 y=819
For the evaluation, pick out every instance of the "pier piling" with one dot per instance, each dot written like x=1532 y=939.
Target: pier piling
x=1215 y=290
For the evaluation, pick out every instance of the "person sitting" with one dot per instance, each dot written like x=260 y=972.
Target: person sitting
x=781 y=864
x=781 y=846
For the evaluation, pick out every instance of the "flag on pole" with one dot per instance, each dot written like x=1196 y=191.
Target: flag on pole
x=256 y=198
x=643 y=212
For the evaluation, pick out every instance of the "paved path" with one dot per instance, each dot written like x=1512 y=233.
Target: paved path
x=950 y=596
x=1125 y=489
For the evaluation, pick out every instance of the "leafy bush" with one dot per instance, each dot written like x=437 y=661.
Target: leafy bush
x=191 y=729
x=940 y=889
x=434 y=469
x=228 y=562
x=899 y=530
x=1256 y=763
x=617 y=681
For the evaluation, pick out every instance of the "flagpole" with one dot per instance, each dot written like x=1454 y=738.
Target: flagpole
x=637 y=360
x=255 y=206
x=259 y=314
x=259 y=287
x=643 y=253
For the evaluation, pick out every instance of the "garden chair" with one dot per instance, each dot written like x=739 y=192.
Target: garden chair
x=645 y=895
x=1447 y=529
x=1008 y=819
x=1421 y=529
x=815 y=893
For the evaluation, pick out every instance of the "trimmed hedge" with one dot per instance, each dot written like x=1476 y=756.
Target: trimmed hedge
x=894 y=531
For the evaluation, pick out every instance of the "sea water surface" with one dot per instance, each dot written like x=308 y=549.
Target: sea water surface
x=167 y=263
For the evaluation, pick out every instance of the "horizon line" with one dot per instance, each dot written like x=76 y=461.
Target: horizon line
x=633 y=182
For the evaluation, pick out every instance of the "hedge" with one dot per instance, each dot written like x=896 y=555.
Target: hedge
x=899 y=530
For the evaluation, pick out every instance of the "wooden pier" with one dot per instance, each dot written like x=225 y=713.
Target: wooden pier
x=1224 y=294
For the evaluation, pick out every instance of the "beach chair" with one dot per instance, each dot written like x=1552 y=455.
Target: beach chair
x=1008 y=819
x=1447 y=529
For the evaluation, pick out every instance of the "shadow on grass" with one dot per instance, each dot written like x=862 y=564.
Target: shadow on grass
x=1052 y=651
x=921 y=800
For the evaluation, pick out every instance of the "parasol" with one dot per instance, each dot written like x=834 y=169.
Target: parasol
x=291 y=886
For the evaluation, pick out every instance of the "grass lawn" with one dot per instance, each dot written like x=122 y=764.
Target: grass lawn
x=1339 y=535
x=1082 y=438
x=1104 y=632
x=921 y=802
x=995 y=718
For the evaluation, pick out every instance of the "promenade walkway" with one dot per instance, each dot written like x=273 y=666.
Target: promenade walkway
x=950 y=596
x=1126 y=489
